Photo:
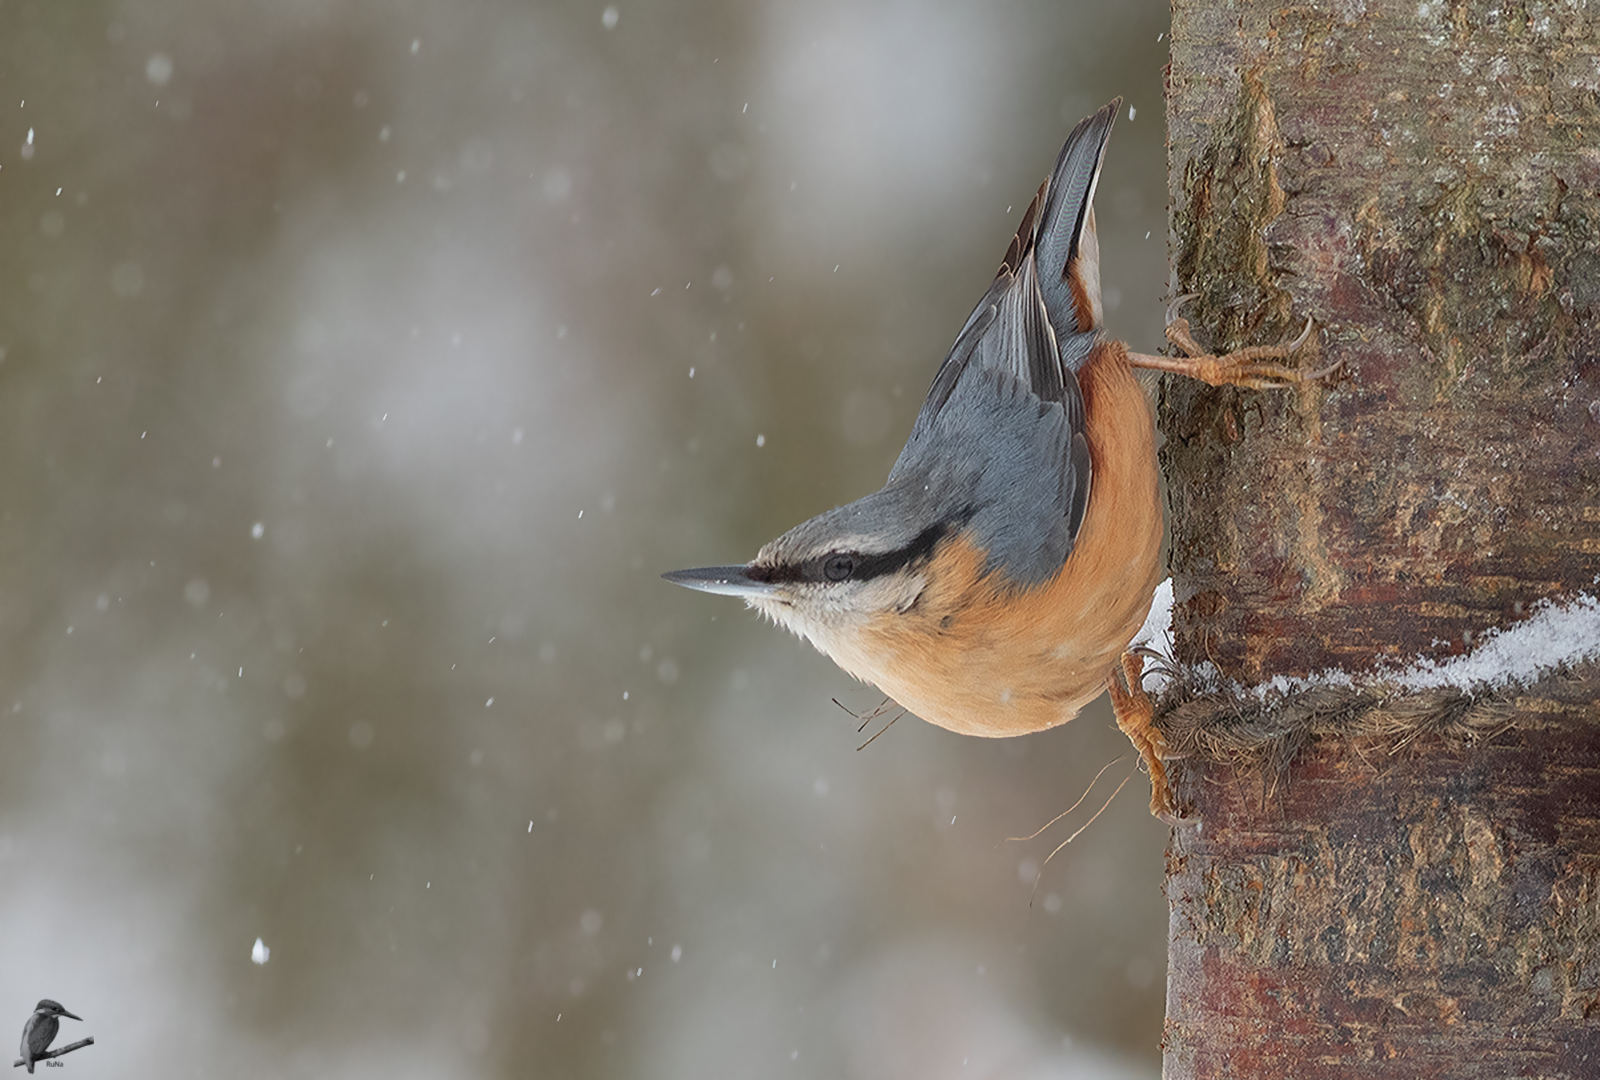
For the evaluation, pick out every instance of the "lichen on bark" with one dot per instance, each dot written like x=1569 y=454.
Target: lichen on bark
x=1231 y=195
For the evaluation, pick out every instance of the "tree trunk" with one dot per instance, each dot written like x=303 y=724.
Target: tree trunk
x=1377 y=882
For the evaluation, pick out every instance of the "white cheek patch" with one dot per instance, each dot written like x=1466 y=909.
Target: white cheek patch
x=778 y=611
x=905 y=590
x=833 y=616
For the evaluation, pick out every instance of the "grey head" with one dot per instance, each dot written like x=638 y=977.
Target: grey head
x=997 y=453
x=54 y=1008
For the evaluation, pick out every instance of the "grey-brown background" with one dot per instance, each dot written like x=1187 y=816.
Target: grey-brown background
x=345 y=433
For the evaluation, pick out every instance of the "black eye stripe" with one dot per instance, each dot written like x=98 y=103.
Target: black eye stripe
x=772 y=575
x=864 y=567
x=868 y=567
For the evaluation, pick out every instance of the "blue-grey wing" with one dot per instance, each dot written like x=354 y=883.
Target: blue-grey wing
x=1009 y=465
x=1005 y=409
x=1065 y=249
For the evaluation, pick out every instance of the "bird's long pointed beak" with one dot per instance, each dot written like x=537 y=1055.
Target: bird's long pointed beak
x=75 y=1016
x=722 y=580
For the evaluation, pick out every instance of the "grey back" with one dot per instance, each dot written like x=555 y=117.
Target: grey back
x=999 y=443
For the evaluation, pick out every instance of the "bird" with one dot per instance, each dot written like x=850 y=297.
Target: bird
x=993 y=585
x=40 y=1030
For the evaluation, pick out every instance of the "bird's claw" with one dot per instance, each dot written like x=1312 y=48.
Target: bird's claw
x=1135 y=715
x=1178 y=302
x=1250 y=367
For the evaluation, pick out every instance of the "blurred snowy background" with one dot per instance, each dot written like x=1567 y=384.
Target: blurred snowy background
x=363 y=365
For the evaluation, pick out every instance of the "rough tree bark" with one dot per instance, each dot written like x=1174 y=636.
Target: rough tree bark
x=1416 y=893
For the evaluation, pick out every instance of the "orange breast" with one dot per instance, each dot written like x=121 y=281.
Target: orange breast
x=981 y=657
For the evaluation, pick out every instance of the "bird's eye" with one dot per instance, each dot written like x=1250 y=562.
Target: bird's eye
x=838 y=567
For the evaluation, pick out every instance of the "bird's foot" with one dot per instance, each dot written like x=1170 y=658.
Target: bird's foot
x=1251 y=367
x=1135 y=714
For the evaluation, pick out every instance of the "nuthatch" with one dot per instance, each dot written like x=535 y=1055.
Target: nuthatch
x=995 y=580
x=40 y=1030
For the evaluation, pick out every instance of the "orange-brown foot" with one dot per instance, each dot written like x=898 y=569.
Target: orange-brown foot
x=1251 y=367
x=1134 y=716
